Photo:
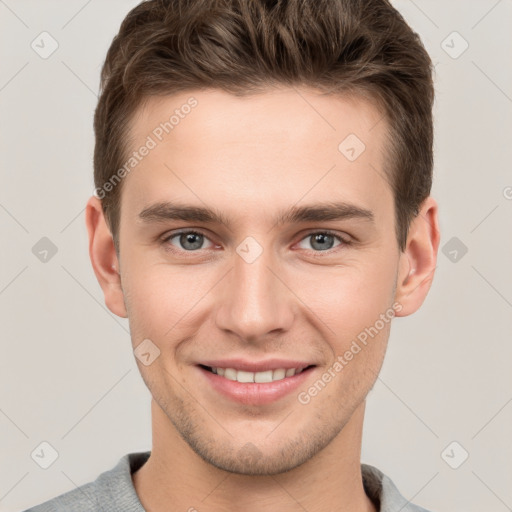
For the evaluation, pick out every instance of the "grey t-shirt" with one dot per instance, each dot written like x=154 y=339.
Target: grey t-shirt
x=113 y=491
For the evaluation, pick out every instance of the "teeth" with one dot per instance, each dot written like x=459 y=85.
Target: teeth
x=259 y=377
x=279 y=374
x=244 y=376
x=263 y=377
x=230 y=373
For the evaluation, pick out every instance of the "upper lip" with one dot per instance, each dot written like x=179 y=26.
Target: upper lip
x=256 y=366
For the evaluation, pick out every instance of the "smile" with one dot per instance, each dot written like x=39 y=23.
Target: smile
x=254 y=388
x=257 y=377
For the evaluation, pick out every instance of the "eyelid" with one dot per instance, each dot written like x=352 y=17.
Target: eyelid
x=336 y=234
x=171 y=234
x=344 y=243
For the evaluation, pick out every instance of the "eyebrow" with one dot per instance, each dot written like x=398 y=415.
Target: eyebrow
x=318 y=212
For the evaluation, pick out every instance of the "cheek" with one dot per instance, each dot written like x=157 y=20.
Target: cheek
x=348 y=298
x=160 y=299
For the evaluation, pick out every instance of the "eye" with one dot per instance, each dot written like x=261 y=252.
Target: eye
x=323 y=240
x=192 y=241
x=188 y=240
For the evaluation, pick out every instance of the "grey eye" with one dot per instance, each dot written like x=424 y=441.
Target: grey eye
x=188 y=240
x=320 y=241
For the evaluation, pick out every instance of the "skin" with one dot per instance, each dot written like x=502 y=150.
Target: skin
x=250 y=158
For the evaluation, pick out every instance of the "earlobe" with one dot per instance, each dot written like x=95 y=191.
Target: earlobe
x=104 y=258
x=418 y=261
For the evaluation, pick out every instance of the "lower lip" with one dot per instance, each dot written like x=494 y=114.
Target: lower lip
x=251 y=393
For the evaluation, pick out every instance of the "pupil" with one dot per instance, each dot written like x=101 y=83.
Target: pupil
x=321 y=239
x=189 y=238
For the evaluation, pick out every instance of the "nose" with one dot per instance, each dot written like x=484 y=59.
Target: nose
x=255 y=301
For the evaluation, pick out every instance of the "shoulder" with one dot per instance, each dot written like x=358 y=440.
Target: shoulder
x=112 y=491
x=384 y=493
x=83 y=498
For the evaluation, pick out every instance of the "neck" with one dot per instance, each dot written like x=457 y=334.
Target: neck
x=175 y=474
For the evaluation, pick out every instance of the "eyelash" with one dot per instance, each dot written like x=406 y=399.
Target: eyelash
x=170 y=236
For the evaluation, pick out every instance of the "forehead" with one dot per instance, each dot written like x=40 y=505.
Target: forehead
x=250 y=154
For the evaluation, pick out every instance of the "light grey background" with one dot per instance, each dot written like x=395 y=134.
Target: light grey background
x=67 y=372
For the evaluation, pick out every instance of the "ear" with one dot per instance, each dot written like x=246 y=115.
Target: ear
x=418 y=261
x=104 y=258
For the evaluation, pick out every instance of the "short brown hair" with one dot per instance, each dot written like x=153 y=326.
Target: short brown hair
x=361 y=47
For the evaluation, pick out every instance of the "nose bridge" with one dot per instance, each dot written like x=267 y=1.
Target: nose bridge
x=256 y=302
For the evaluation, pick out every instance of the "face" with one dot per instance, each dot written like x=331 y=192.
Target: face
x=259 y=284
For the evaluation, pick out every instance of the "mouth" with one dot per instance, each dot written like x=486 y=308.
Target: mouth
x=261 y=377
x=255 y=387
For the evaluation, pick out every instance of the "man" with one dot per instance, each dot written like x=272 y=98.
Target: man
x=262 y=213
